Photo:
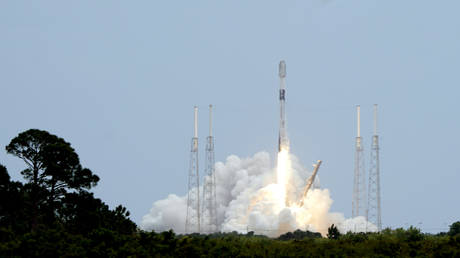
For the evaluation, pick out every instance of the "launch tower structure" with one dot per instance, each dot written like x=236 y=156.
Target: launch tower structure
x=209 y=212
x=192 y=221
x=373 y=213
x=359 y=182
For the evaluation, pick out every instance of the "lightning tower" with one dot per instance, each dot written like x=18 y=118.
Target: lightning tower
x=192 y=221
x=373 y=213
x=359 y=183
x=209 y=212
x=283 y=141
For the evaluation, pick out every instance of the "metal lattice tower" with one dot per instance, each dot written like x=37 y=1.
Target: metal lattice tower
x=373 y=213
x=192 y=221
x=359 y=183
x=209 y=212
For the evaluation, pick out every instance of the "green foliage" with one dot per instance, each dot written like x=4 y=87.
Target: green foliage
x=333 y=232
x=299 y=235
x=53 y=207
x=81 y=213
x=57 y=242
x=354 y=238
x=454 y=229
x=411 y=234
x=4 y=177
x=13 y=209
x=52 y=170
x=51 y=162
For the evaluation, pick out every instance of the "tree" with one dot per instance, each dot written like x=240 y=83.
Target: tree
x=454 y=229
x=333 y=232
x=4 y=194
x=81 y=213
x=4 y=177
x=299 y=235
x=12 y=210
x=52 y=167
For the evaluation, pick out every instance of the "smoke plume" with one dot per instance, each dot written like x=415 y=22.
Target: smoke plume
x=248 y=198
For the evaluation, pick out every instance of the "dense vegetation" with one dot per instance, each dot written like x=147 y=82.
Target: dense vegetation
x=53 y=213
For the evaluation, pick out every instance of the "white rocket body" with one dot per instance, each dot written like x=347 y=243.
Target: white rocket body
x=283 y=142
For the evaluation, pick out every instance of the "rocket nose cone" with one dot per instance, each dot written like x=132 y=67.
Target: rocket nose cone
x=282 y=69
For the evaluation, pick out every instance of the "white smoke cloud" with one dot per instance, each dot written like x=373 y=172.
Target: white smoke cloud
x=166 y=214
x=248 y=200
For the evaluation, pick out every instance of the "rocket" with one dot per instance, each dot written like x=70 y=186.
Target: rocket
x=310 y=181
x=283 y=141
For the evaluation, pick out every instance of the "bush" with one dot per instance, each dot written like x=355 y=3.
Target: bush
x=454 y=229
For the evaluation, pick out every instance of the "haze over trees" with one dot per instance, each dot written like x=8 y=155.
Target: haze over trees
x=54 y=213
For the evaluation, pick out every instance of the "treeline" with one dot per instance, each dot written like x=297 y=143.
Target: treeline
x=54 y=214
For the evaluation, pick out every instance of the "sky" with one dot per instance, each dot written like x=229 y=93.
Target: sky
x=119 y=79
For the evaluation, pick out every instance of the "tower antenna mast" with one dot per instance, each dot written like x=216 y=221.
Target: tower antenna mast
x=209 y=214
x=359 y=182
x=373 y=213
x=192 y=221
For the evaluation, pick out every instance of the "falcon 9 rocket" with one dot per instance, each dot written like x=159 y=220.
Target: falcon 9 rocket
x=283 y=142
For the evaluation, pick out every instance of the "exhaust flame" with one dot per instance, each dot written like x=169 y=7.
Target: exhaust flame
x=283 y=172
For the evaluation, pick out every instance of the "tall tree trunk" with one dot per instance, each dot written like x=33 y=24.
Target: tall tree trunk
x=51 y=199
x=34 y=220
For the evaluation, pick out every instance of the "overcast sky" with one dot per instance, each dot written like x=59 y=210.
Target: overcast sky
x=119 y=79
